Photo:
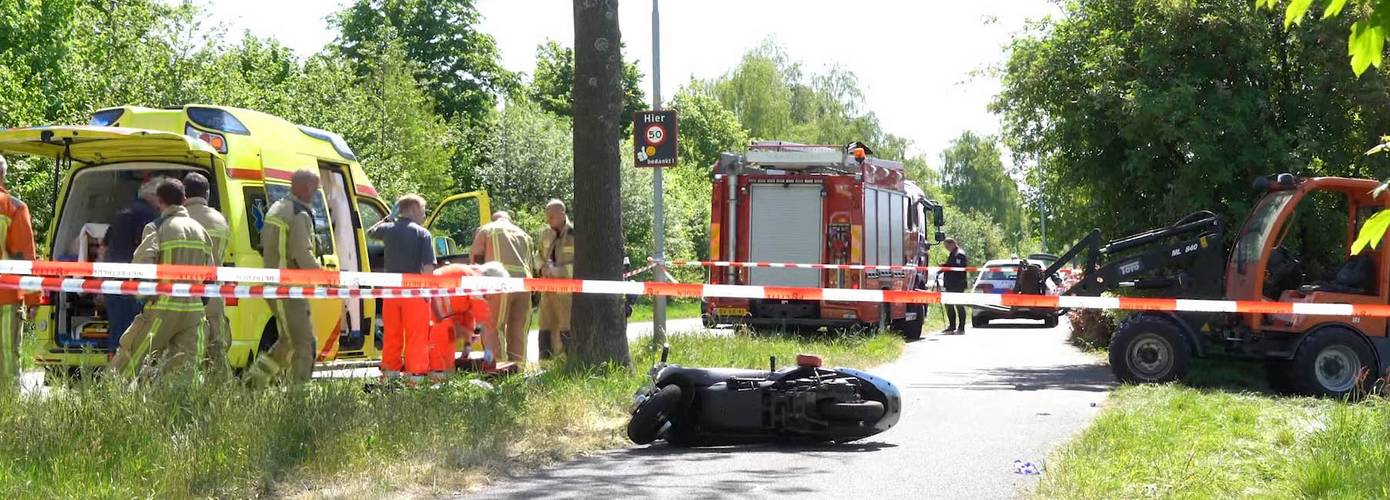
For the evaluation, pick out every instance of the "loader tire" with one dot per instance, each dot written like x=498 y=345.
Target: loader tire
x=1149 y=349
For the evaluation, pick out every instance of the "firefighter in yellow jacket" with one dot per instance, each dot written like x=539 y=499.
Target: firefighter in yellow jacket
x=169 y=330
x=287 y=242
x=216 y=337
x=504 y=242
x=555 y=259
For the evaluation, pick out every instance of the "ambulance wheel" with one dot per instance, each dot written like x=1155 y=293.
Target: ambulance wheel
x=655 y=412
x=1149 y=349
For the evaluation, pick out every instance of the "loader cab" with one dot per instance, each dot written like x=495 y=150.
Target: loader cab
x=1296 y=247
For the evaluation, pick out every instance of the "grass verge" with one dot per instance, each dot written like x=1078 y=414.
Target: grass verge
x=675 y=309
x=333 y=439
x=642 y=311
x=1217 y=439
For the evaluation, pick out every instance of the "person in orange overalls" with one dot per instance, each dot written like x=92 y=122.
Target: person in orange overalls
x=18 y=237
x=409 y=250
x=459 y=316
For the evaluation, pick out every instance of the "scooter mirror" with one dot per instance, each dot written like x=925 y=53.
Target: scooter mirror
x=665 y=351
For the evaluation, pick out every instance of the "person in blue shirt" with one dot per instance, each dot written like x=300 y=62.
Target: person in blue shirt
x=119 y=244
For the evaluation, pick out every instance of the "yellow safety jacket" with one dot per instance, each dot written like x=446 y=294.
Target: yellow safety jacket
x=509 y=245
x=287 y=239
x=214 y=223
x=555 y=252
x=175 y=238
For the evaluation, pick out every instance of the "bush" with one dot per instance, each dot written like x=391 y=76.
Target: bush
x=1092 y=328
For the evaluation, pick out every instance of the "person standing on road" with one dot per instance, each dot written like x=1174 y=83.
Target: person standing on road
x=409 y=250
x=119 y=247
x=18 y=233
x=169 y=330
x=501 y=241
x=555 y=259
x=287 y=242
x=217 y=336
x=954 y=281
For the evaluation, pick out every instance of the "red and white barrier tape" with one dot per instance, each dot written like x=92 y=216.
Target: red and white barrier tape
x=472 y=285
x=290 y=277
x=641 y=270
x=851 y=267
x=225 y=290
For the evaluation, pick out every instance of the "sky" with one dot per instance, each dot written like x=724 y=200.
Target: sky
x=923 y=65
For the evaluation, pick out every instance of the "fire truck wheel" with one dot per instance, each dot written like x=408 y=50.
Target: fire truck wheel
x=1333 y=362
x=911 y=330
x=1148 y=349
x=1050 y=322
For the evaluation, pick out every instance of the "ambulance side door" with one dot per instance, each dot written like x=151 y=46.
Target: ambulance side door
x=453 y=221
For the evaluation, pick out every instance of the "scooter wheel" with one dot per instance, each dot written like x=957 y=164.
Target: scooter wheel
x=649 y=418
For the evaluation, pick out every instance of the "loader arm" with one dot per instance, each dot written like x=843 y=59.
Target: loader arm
x=1181 y=260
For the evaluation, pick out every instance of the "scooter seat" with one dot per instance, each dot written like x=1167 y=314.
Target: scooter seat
x=700 y=377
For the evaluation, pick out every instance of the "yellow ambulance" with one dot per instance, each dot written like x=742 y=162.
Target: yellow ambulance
x=249 y=157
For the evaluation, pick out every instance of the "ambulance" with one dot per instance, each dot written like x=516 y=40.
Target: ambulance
x=249 y=158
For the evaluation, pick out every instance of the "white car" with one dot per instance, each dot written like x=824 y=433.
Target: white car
x=999 y=276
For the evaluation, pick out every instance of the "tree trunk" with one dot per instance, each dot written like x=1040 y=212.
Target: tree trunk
x=600 y=327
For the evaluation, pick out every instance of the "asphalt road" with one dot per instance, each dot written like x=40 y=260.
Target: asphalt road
x=973 y=404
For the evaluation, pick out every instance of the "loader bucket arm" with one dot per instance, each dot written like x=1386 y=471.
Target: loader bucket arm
x=1181 y=260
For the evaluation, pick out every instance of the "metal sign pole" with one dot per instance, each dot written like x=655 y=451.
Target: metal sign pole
x=658 y=217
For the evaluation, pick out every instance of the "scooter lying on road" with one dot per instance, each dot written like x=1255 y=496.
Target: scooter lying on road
x=716 y=406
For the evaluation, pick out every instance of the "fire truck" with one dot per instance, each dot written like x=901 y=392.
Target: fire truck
x=816 y=204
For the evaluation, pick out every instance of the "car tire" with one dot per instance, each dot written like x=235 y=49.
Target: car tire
x=1050 y=322
x=653 y=414
x=978 y=321
x=850 y=411
x=1149 y=349
x=1333 y=362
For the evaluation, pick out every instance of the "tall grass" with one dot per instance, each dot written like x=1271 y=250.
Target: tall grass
x=1176 y=441
x=100 y=439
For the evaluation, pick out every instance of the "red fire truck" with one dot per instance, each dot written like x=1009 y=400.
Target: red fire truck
x=797 y=203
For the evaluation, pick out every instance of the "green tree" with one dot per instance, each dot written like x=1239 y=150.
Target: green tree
x=532 y=162
x=973 y=174
x=457 y=63
x=774 y=99
x=1136 y=113
x=552 y=86
x=1365 y=39
x=599 y=324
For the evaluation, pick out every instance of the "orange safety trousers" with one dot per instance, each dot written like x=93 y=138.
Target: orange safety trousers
x=407 y=325
x=458 y=316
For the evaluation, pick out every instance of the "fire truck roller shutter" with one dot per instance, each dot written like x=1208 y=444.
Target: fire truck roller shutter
x=785 y=225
